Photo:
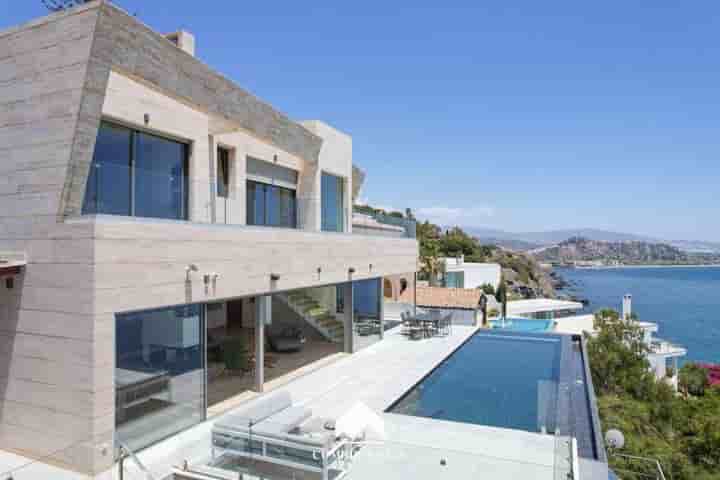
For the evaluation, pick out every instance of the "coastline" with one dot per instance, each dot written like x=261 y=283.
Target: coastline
x=609 y=267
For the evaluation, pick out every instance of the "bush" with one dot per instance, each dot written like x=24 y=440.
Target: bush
x=235 y=354
x=694 y=379
x=487 y=289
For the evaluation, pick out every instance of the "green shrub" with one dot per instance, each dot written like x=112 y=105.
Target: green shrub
x=235 y=354
x=693 y=379
x=487 y=289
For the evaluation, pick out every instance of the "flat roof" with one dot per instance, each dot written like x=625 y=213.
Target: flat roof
x=517 y=307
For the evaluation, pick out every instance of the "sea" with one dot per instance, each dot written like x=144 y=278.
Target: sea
x=683 y=301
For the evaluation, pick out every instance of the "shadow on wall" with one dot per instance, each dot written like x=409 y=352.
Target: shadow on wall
x=396 y=285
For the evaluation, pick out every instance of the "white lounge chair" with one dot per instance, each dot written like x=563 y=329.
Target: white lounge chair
x=269 y=430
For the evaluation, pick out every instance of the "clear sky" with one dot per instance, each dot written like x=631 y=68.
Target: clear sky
x=513 y=115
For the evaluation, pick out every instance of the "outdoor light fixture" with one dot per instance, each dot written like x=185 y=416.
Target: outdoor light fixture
x=351 y=270
x=10 y=283
x=146 y=118
x=274 y=277
x=370 y=267
x=189 y=269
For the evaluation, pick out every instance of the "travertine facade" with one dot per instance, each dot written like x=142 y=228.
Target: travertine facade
x=59 y=76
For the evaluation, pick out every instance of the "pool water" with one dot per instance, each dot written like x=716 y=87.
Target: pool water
x=497 y=379
x=522 y=325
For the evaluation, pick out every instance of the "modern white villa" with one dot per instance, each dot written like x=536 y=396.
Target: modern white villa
x=662 y=355
x=185 y=292
x=461 y=274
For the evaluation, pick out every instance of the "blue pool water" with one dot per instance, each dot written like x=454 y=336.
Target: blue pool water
x=522 y=325
x=495 y=379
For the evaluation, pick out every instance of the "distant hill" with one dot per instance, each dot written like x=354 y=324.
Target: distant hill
x=552 y=237
x=510 y=244
x=578 y=249
x=532 y=240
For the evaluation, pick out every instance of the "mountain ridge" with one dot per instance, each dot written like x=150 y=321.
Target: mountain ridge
x=532 y=240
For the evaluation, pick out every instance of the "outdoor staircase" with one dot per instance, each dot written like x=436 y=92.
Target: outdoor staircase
x=316 y=315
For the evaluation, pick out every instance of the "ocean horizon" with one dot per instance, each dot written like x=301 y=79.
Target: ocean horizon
x=683 y=300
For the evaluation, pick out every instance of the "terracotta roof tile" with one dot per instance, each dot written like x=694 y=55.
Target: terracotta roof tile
x=440 y=297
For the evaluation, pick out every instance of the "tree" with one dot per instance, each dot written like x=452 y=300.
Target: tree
x=57 y=5
x=487 y=289
x=618 y=356
x=501 y=297
x=693 y=379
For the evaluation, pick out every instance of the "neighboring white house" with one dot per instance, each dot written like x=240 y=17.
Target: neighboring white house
x=462 y=274
x=662 y=354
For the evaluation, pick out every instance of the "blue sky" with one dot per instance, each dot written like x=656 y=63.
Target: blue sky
x=514 y=115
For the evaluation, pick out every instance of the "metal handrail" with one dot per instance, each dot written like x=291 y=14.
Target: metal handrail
x=658 y=475
x=125 y=453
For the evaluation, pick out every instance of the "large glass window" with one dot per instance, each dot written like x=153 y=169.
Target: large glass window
x=223 y=172
x=138 y=174
x=109 y=182
x=367 y=323
x=332 y=203
x=455 y=279
x=159 y=373
x=270 y=205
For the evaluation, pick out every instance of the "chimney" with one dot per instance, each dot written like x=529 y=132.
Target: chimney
x=184 y=41
x=627 y=307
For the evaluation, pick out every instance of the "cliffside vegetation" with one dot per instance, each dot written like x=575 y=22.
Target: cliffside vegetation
x=578 y=249
x=681 y=431
x=522 y=274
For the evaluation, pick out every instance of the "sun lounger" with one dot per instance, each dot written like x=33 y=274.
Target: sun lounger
x=271 y=430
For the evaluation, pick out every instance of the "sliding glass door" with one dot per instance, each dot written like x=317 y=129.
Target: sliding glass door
x=159 y=373
x=271 y=205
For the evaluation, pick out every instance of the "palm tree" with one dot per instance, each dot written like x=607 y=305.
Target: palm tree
x=430 y=262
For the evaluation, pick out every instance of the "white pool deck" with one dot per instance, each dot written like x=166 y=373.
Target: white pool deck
x=577 y=324
x=413 y=447
x=535 y=305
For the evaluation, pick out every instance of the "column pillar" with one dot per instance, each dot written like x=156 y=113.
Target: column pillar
x=381 y=308
x=347 y=292
x=263 y=315
x=212 y=148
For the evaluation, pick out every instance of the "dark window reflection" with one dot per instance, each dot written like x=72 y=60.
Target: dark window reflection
x=270 y=205
x=159 y=374
x=138 y=174
x=332 y=202
x=108 y=187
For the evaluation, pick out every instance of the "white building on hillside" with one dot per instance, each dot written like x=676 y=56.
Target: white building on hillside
x=462 y=274
x=662 y=354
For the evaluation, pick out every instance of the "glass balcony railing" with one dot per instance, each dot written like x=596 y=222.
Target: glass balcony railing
x=269 y=450
x=366 y=222
x=119 y=190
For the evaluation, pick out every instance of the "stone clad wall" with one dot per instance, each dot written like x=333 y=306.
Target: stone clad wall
x=122 y=43
x=52 y=402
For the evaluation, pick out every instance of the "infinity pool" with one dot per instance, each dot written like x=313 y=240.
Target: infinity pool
x=496 y=378
x=522 y=325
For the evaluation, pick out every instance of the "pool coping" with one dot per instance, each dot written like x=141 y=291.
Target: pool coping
x=565 y=420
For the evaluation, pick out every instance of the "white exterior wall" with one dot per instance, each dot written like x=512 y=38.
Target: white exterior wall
x=476 y=274
x=335 y=158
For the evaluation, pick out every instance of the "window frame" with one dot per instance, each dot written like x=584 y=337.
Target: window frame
x=135 y=132
x=267 y=189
